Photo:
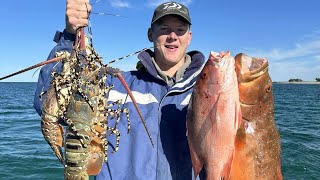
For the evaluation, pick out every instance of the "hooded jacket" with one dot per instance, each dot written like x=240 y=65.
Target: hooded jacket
x=164 y=109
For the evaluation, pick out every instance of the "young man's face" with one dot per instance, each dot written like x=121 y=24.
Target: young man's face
x=171 y=36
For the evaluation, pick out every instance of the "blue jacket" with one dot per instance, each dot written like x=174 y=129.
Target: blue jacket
x=164 y=108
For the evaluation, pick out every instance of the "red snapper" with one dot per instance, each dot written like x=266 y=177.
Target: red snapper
x=213 y=117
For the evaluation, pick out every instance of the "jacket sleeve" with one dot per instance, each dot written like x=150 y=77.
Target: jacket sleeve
x=64 y=42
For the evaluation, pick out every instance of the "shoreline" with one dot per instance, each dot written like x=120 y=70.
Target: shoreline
x=302 y=82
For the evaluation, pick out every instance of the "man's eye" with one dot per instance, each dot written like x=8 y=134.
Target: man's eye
x=181 y=31
x=163 y=28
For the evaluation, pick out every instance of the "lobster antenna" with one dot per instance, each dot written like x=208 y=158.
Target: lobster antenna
x=95 y=2
x=102 y=13
x=107 y=14
x=34 y=66
x=131 y=54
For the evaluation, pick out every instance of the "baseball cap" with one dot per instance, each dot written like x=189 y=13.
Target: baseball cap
x=171 y=8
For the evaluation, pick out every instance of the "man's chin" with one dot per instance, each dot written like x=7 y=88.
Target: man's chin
x=172 y=58
x=171 y=61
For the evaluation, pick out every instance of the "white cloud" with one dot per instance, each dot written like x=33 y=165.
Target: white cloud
x=311 y=48
x=313 y=35
x=302 y=60
x=317 y=58
x=119 y=4
x=283 y=71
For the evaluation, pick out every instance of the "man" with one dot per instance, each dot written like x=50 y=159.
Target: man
x=162 y=87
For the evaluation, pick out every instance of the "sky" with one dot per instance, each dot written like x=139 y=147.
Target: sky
x=286 y=32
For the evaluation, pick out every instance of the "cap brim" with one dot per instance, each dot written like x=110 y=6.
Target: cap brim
x=171 y=13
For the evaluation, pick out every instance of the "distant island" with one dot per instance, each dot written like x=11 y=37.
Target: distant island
x=298 y=81
x=295 y=80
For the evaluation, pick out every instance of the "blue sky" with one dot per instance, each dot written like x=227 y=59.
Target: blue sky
x=286 y=32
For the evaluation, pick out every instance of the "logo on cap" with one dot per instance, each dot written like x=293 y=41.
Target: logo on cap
x=171 y=5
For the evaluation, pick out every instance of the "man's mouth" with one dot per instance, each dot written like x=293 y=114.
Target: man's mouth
x=171 y=46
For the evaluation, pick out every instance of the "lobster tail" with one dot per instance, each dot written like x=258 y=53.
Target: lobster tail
x=76 y=153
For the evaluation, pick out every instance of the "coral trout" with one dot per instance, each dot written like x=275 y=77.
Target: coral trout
x=257 y=146
x=213 y=117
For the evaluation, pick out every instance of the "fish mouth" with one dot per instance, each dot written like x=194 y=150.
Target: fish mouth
x=221 y=65
x=244 y=119
x=250 y=68
x=246 y=105
x=219 y=60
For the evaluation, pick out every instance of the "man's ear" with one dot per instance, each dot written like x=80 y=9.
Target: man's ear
x=150 y=35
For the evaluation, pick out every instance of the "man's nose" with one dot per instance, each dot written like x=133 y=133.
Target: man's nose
x=172 y=35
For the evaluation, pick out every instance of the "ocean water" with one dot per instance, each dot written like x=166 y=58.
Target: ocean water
x=297 y=114
x=24 y=154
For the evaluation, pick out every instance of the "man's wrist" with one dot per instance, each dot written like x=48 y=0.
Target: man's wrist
x=70 y=30
x=68 y=35
x=65 y=34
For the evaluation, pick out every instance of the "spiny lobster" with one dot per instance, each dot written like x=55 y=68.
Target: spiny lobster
x=78 y=96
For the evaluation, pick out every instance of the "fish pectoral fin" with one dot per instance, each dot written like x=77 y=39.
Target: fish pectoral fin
x=225 y=173
x=197 y=164
x=238 y=117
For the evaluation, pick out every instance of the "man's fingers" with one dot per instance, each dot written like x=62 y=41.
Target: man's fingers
x=86 y=7
x=79 y=1
x=76 y=22
x=77 y=14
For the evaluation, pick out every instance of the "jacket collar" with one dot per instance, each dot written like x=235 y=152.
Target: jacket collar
x=197 y=63
x=197 y=60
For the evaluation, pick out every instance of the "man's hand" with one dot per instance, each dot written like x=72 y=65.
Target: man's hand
x=77 y=14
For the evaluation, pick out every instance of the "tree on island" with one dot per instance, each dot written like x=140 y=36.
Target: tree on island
x=318 y=79
x=295 y=80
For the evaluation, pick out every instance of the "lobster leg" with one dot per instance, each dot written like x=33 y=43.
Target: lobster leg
x=117 y=113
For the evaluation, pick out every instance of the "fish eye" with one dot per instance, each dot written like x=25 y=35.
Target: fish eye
x=269 y=88
x=204 y=75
